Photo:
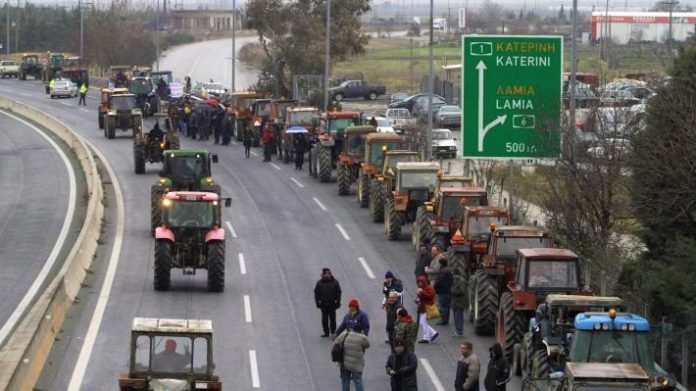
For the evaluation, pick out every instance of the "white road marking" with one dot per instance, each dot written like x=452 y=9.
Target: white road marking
x=242 y=264
x=367 y=268
x=65 y=104
x=247 y=309
x=29 y=297
x=343 y=231
x=297 y=182
x=319 y=203
x=83 y=109
x=233 y=143
x=431 y=374
x=254 y=153
x=25 y=94
x=275 y=166
x=232 y=231
x=94 y=324
x=254 y=369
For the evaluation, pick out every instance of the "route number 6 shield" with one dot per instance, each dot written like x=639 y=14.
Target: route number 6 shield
x=511 y=96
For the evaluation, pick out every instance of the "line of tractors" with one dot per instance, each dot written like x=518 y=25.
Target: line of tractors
x=51 y=65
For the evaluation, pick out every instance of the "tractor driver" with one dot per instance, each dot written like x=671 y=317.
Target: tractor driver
x=169 y=360
x=156 y=133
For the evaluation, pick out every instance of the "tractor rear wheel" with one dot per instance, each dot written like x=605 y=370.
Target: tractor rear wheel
x=392 y=220
x=418 y=231
x=485 y=303
x=437 y=239
x=163 y=265
x=510 y=326
x=343 y=176
x=156 y=194
x=109 y=128
x=216 y=266
x=100 y=119
x=363 y=191
x=139 y=157
x=457 y=261
x=540 y=364
x=376 y=201
x=324 y=164
x=516 y=366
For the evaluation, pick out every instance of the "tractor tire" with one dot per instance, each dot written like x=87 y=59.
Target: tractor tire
x=100 y=119
x=516 y=365
x=437 y=239
x=216 y=266
x=457 y=261
x=363 y=191
x=510 y=326
x=139 y=157
x=376 y=201
x=485 y=303
x=109 y=129
x=163 y=265
x=156 y=194
x=541 y=368
x=470 y=294
x=419 y=230
x=174 y=142
x=324 y=165
x=343 y=179
x=392 y=220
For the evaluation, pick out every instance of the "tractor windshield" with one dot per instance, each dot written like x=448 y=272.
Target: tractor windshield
x=613 y=346
x=171 y=354
x=553 y=274
x=140 y=86
x=122 y=102
x=186 y=168
x=481 y=225
x=355 y=145
x=191 y=214
x=508 y=245
x=302 y=117
x=264 y=109
x=378 y=150
x=337 y=125
x=451 y=208
x=32 y=60
x=418 y=180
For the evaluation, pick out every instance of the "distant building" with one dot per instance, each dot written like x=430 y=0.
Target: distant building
x=623 y=27
x=202 y=20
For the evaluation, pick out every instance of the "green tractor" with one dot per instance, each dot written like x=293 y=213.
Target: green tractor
x=182 y=170
x=123 y=114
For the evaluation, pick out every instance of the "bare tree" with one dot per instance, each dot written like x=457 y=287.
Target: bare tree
x=491 y=16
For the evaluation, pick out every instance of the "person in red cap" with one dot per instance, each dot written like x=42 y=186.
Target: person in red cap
x=425 y=295
x=169 y=360
x=354 y=316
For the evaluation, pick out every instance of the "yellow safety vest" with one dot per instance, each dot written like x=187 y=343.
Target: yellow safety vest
x=52 y=83
x=83 y=89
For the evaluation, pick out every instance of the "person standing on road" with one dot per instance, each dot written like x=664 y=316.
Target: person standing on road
x=425 y=295
x=392 y=284
x=354 y=345
x=422 y=260
x=246 y=140
x=406 y=329
x=498 y=374
x=355 y=316
x=468 y=369
x=267 y=139
x=434 y=268
x=401 y=367
x=300 y=145
x=391 y=306
x=327 y=296
x=83 y=94
x=458 y=302
x=443 y=285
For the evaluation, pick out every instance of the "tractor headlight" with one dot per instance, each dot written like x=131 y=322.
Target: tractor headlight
x=167 y=202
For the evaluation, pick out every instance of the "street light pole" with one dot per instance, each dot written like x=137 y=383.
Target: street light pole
x=82 y=31
x=234 y=49
x=7 y=4
x=429 y=112
x=157 y=40
x=327 y=57
x=573 y=75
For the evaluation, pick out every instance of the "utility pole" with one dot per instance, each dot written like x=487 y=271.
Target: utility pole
x=7 y=4
x=573 y=81
x=234 y=49
x=17 y=30
x=82 y=31
x=671 y=4
x=429 y=111
x=157 y=40
x=327 y=56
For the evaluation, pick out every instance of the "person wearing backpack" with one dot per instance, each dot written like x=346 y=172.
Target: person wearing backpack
x=353 y=344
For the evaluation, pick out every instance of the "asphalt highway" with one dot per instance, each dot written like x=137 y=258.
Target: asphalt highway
x=37 y=205
x=284 y=227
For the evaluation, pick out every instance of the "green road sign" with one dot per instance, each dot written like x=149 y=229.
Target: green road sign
x=511 y=96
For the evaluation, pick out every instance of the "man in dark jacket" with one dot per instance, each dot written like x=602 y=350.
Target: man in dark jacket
x=401 y=366
x=443 y=285
x=327 y=296
x=498 y=370
x=354 y=316
x=392 y=284
x=391 y=307
x=246 y=140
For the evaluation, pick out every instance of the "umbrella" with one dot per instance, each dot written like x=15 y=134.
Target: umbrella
x=297 y=129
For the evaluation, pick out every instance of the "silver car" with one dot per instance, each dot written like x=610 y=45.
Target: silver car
x=449 y=116
x=63 y=88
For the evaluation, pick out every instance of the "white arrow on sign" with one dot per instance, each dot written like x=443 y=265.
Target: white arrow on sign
x=482 y=130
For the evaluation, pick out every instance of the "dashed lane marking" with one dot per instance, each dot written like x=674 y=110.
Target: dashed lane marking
x=275 y=166
x=319 y=203
x=242 y=264
x=83 y=109
x=343 y=231
x=255 y=383
x=297 y=182
x=254 y=153
x=231 y=229
x=367 y=268
x=247 y=309
x=431 y=374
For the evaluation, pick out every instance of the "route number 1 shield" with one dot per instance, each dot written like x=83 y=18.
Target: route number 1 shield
x=511 y=96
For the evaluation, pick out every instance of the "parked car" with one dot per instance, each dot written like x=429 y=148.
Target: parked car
x=618 y=98
x=356 y=89
x=611 y=149
x=420 y=110
x=397 y=97
x=64 y=88
x=9 y=69
x=584 y=97
x=639 y=92
x=212 y=90
x=410 y=102
x=449 y=116
x=400 y=119
x=444 y=144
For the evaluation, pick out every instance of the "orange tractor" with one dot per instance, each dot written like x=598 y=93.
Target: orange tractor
x=351 y=156
x=376 y=147
x=241 y=103
x=383 y=183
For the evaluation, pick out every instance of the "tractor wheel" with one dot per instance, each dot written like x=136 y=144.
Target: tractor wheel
x=216 y=266
x=343 y=175
x=437 y=239
x=139 y=157
x=174 y=142
x=324 y=165
x=163 y=265
x=509 y=327
x=485 y=303
x=516 y=366
x=110 y=129
x=470 y=294
x=100 y=119
x=392 y=220
x=363 y=191
x=156 y=194
x=376 y=201
x=540 y=364
x=457 y=261
x=418 y=231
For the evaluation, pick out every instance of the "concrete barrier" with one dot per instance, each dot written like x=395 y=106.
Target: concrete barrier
x=25 y=353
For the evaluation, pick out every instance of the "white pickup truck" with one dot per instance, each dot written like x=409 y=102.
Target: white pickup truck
x=9 y=68
x=400 y=119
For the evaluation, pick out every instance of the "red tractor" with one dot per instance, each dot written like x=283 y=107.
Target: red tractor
x=190 y=237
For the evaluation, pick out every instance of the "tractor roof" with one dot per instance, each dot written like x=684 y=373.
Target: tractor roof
x=455 y=191
x=520 y=231
x=172 y=325
x=547 y=253
x=401 y=152
x=418 y=166
x=583 y=301
x=115 y=90
x=191 y=196
x=608 y=371
x=622 y=321
x=342 y=114
x=246 y=94
x=486 y=210
x=383 y=137
x=116 y=95
x=362 y=129
x=301 y=109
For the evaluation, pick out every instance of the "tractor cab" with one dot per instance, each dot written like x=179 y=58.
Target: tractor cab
x=354 y=141
x=187 y=170
x=165 y=75
x=415 y=180
x=378 y=146
x=172 y=354
x=183 y=210
x=145 y=92
x=592 y=377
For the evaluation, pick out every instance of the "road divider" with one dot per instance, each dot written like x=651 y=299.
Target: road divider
x=24 y=354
